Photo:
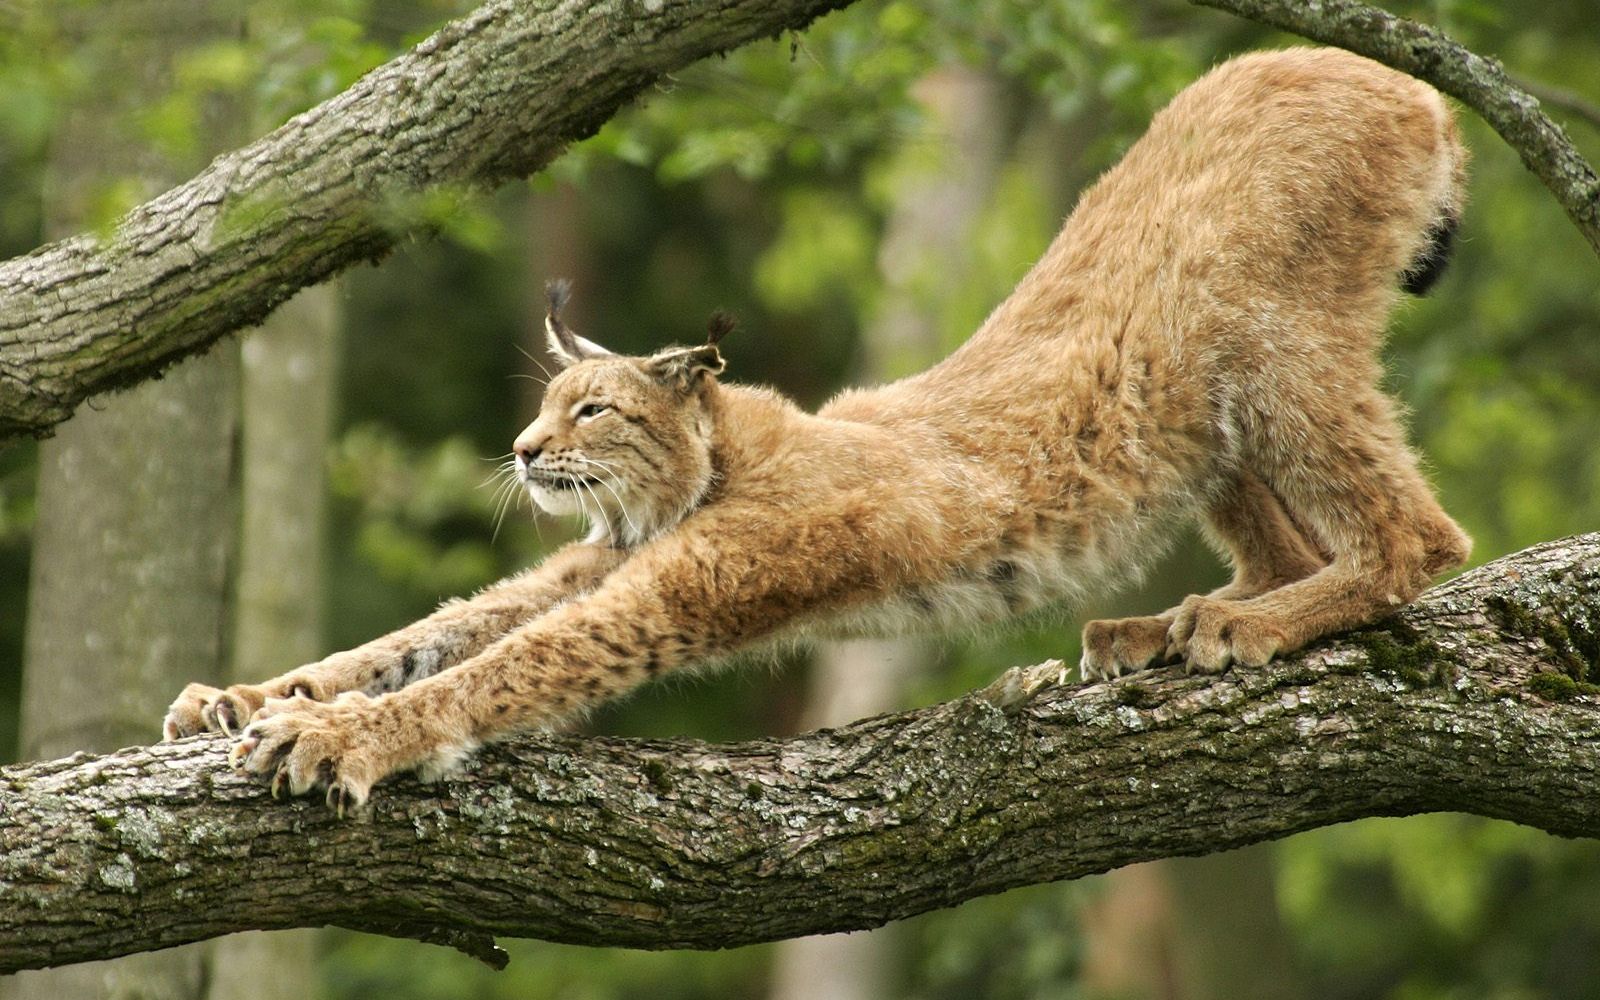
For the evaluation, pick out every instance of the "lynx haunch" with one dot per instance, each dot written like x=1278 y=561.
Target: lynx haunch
x=1200 y=340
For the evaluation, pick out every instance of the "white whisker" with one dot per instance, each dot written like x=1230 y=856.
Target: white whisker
x=503 y=469
x=599 y=518
x=536 y=361
x=608 y=470
x=503 y=497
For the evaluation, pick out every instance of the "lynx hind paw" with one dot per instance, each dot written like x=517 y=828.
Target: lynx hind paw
x=1211 y=634
x=1117 y=646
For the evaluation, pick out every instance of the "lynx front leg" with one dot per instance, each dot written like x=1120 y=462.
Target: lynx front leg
x=1267 y=550
x=697 y=595
x=456 y=631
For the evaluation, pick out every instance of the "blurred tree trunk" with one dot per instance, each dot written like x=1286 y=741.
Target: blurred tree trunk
x=558 y=246
x=938 y=203
x=1190 y=929
x=133 y=545
x=127 y=595
x=286 y=400
x=286 y=404
x=1229 y=941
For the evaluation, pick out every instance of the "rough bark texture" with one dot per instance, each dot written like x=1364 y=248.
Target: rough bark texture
x=1476 y=698
x=1479 y=83
x=494 y=95
x=134 y=541
x=286 y=395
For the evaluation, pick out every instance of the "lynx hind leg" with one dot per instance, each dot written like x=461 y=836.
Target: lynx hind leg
x=1356 y=485
x=1265 y=545
x=1267 y=550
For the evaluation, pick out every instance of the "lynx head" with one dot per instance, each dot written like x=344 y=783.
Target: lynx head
x=623 y=441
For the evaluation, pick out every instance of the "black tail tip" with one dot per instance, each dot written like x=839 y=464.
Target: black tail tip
x=1429 y=265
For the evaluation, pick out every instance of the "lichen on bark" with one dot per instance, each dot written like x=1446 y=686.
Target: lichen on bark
x=680 y=844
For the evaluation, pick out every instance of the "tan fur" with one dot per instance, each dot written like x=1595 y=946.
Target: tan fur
x=1200 y=340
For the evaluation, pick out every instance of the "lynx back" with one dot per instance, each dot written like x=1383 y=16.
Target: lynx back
x=1199 y=342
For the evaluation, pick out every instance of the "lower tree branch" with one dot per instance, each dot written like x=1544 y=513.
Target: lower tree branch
x=1479 y=83
x=1477 y=698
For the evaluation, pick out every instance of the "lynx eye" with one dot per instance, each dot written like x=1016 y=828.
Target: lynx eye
x=589 y=411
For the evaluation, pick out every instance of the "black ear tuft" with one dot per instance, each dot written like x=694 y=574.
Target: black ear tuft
x=557 y=291
x=720 y=325
x=567 y=347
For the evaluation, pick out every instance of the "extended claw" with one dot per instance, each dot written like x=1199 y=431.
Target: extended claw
x=280 y=781
x=239 y=755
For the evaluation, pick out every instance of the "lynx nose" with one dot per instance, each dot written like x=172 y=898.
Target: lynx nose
x=527 y=451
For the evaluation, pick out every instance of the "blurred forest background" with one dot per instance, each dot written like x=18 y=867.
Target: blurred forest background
x=860 y=195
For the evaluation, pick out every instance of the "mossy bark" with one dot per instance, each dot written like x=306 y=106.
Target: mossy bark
x=134 y=543
x=677 y=844
x=494 y=95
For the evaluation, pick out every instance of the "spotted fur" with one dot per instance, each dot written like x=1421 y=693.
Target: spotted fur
x=1199 y=341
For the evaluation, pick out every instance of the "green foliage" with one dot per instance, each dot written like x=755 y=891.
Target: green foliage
x=1023 y=944
x=361 y=967
x=1442 y=906
x=840 y=94
x=821 y=246
x=459 y=214
x=292 y=55
x=765 y=181
x=406 y=502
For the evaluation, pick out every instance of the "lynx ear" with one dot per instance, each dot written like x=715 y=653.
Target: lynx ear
x=684 y=367
x=568 y=347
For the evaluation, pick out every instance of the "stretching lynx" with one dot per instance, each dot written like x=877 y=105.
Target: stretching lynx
x=1199 y=340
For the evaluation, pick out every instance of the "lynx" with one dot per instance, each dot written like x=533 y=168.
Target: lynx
x=1200 y=340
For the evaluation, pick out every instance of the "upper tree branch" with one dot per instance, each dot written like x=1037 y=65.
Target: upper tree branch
x=1481 y=84
x=495 y=95
x=1460 y=702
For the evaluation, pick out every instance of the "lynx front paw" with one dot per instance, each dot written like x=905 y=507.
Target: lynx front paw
x=1210 y=634
x=1113 y=647
x=204 y=709
x=341 y=747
